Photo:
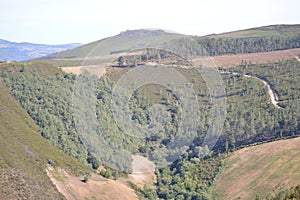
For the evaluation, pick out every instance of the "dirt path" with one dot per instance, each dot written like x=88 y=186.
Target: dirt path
x=272 y=94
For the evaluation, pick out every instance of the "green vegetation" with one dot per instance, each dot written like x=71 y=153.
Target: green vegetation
x=283 y=77
x=189 y=177
x=223 y=46
x=24 y=154
x=289 y=194
x=272 y=30
x=262 y=39
x=46 y=95
x=123 y=42
x=251 y=119
x=86 y=178
x=146 y=193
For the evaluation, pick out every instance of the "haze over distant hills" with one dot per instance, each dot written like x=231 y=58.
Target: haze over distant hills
x=13 y=51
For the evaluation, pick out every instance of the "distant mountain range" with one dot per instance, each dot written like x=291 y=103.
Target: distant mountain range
x=13 y=51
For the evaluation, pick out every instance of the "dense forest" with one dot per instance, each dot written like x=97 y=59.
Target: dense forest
x=47 y=94
x=228 y=45
x=251 y=119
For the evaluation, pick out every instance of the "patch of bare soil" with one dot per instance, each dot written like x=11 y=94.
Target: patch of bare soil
x=98 y=70
x=142 y=171
x=233 y=60
x=97 y=187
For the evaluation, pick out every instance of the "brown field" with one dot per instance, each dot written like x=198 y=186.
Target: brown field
x=256 y=58
x=98 y=70
x=97 y=187
x=263 y=169
x=102 y=65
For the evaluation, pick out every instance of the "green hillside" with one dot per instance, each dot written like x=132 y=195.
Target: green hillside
x=251 y=118
x=123 y=42
x=48 y=98
x=261 y=39
x=264 y=31
x=24 y=154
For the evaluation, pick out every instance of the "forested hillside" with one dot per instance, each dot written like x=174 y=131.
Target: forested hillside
x=251 y=119
x=24 y=154
x=45 y=93
x=224 y=45
x=75 y=112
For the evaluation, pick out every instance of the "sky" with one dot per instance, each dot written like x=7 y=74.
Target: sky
x=84 y=21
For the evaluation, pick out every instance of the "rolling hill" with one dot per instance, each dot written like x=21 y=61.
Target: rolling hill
x=13 y=51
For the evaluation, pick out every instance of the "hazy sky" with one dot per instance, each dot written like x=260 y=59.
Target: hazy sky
x=65 y=21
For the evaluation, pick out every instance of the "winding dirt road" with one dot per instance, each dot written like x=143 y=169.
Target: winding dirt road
x=272 y=94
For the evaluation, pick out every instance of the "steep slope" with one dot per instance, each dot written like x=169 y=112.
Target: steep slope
x=27 y=161
x=263 y=169
x=13 y=51
x=24 y=155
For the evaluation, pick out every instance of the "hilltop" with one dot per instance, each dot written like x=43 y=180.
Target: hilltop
x=123 y=42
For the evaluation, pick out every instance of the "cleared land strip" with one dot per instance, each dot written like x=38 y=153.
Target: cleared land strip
x=262 y=57
x=98 y=70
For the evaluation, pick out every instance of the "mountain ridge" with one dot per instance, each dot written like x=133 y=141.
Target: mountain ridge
x=121 y=42
x=21 y=51
x=260 y=31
